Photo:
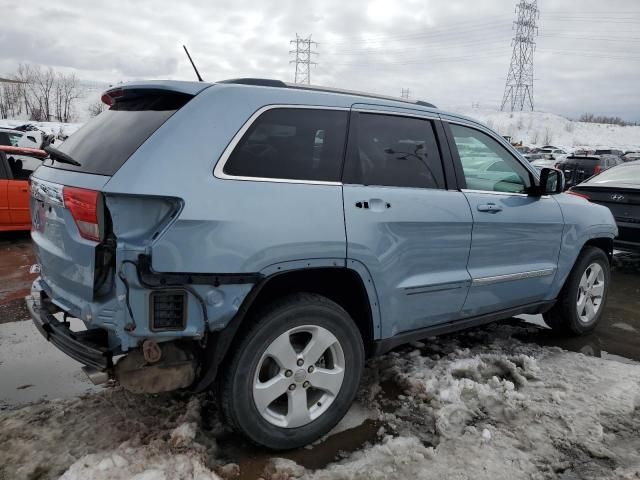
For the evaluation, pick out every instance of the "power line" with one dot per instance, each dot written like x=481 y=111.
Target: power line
x=303 y=54
x=518 y=90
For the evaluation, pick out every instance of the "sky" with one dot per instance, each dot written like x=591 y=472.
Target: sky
x=453 y=54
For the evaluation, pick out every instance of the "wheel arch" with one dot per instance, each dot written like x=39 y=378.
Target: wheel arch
x=344 y=285
x=603 y=243
x=569 y=254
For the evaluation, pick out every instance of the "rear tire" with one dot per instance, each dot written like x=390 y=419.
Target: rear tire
x=294 y=373
x=583 y=297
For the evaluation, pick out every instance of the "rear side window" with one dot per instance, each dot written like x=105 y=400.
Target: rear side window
x=395 y=151
x=292 y=144
x=105 y=143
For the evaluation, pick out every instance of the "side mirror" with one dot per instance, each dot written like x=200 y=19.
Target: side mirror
x=551 y=181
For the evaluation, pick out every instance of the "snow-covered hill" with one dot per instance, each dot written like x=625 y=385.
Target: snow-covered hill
x=531 y=128
x=539 y=128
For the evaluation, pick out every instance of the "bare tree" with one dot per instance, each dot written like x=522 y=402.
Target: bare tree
x=41 y=86
x=24 y=76
x=548 y=136
x=41 y=93
x=96 y=108
x=10 y=99
x=67 y=91
x=535 y=136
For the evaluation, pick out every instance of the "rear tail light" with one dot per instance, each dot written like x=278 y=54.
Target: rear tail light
x=597 y=170
x=83 y=205
x=581 y=195
x=109 y=98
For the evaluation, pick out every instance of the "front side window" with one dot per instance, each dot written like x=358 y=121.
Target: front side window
x=22 y=168
x=292 y=144
x=487 y=165
x=9 y=138
x=390 y=150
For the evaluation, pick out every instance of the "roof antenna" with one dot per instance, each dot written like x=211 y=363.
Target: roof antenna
x=192 y=64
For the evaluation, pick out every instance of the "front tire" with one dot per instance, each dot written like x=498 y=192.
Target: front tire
x=294 y=374
x=583 y=297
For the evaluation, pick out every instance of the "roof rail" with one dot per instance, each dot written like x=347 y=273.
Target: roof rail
x=266 y=82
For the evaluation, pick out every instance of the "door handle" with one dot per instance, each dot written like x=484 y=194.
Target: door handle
x=374 y=204
x=489 y=207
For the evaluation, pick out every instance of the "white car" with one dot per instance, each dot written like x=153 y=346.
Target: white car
x=24 y=139
x=553 y=154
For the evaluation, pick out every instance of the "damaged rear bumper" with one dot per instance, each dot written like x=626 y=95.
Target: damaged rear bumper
x=87 y=347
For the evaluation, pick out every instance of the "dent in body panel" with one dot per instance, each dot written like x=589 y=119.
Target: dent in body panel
x=422 y=240
x=247 y=226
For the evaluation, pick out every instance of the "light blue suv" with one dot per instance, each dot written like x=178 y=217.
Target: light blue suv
x=265 y=239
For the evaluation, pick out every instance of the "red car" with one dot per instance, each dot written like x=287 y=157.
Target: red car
x=14 y=188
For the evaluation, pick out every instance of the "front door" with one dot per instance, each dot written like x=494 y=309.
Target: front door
x=516 y=237
x=18 y=193
x=410 y=232
x=4 y=199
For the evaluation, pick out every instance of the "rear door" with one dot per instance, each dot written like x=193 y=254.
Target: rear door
x=516 y=237
x=410 y=231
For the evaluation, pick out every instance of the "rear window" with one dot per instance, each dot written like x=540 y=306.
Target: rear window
x=624 y=174
x=105 y=143
x=581 y=161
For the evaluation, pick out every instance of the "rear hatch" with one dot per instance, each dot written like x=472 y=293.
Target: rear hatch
x=71 y=225
x=625 y=207
x=618 y=188
x=578 y=169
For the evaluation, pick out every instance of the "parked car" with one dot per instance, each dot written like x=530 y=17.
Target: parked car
x=608 y=151
x=25 y=136
x=578 y=168
x=541 y=163
x=631 y=156
x=14 y=189
x=9 y=136
x=552 y=152
x=619 y=190
x=533 y=156
x=314 y=228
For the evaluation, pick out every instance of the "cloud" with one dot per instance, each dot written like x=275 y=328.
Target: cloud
x=451 y=53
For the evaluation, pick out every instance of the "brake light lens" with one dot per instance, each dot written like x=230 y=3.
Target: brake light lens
x=83 y=205
x=581 y=195
x=109 y=98
x=597 y=170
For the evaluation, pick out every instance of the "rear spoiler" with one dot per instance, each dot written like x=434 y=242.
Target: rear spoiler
x=27 y=152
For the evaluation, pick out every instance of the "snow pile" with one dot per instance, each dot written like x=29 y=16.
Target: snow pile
x=539 y=128
x=499 y=409
x=111 y=435
x=179 y=458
